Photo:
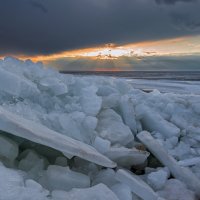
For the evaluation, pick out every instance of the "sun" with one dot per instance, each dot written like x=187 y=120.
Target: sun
x=108 y=53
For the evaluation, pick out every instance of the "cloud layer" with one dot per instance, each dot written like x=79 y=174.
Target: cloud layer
x=34 y=27
x=173 y=1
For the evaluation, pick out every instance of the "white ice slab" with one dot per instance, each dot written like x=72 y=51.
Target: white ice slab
x=38 y=133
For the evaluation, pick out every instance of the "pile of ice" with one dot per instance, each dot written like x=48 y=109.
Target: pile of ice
x=66 y=137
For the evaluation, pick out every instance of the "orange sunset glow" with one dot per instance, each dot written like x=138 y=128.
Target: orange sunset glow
x=176 y=46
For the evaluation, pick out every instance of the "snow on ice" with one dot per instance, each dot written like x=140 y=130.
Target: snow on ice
x=66 y=137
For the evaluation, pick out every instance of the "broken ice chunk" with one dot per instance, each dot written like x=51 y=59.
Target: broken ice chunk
x=78 y=126
x=128 y=113
x=122 y=86
x=111 y=101
x=136 y=184
x=153 y=121
x=157 y=179
x=189 y=162
x=90 y=123
x=90 y=102
x=111 y=127
x=53 y=85
x=12 y=186
x=62 y=178
x=70 y=127
x=171 y=142
x=32 y=163
x=106 y=90
x=100 y=192
x=122 y=191
x=31 y=160
x=196 y=107
x=106 y=176
x=8 y=148
x=10 y=183
x=101 y=145
x=127 y=157
x=176 y=190
x=85 y=167
x=35 y=188
x=181 y=151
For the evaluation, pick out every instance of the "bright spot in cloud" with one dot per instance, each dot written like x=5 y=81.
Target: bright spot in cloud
x=108 y=53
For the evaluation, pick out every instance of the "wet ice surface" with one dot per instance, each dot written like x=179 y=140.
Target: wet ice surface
x=67 y=137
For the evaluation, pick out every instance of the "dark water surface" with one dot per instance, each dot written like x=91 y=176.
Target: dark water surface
x=151 y=75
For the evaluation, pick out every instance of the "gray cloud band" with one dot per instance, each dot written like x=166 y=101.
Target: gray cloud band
x=49 y=26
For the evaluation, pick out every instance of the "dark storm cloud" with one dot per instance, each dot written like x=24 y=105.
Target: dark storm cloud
x=173 y=1
x=49 y=26
x=185 y=21
x=39 y=6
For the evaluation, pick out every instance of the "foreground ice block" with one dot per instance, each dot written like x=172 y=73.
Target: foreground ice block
x=181 y=173
x=101 y=145
x=98 y=192
x=38 y=133
x=111 y=127
x=62 y=178
x=32 y=163
x=10 y=183
x=176 y=190
x=12 y=186
x=8 y=148
x=137 y=185
x=157 y=179
x=153 y=121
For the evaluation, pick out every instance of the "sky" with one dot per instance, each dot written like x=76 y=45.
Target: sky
x=103 y=34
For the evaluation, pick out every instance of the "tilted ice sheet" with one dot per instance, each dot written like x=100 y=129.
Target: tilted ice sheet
x=27 y=129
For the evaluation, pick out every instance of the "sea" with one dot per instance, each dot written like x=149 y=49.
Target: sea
x=149 y=75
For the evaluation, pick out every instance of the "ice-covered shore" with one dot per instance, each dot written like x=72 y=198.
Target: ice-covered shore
x=64 y=137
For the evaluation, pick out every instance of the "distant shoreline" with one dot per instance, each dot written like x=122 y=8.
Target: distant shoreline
x=150 y=75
